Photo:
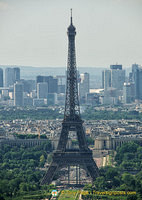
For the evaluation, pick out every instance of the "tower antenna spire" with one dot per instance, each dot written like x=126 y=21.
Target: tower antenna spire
x=71 y=15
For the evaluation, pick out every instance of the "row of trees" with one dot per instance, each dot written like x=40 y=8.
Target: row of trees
x=47 y=113
x=29 y=136
x=91 y=114
x=34 y=114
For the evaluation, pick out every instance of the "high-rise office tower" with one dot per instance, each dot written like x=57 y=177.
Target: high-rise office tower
x=103 y=79
x=29 y=85
x=52 y=83
x=84 y=86
x=11 y=76
x=106 y=79
x=18 y=94
x=127 y=93
x=116 y=67
x=137 y=80
x=52 y=99
x=115 y=77
x=1 y=77
x=42 y=90
x=112 y=82
x=16 y=73
x=41 y=79
x=61 y=84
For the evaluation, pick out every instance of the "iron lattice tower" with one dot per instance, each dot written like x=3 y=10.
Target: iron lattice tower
x=72 y=122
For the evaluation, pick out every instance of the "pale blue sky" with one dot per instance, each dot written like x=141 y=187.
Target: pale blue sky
x=33 y=32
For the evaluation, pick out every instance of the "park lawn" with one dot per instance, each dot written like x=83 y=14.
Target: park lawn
x=32 y=195
x=68 y=195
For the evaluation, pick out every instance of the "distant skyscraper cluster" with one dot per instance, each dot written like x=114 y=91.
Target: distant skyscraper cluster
x=11 y=76
x=132 y=90
x=117 y=88
x=113 y=78
x=45 y=90
x=120 y=89
x=52 y=83
x=112 y=82
x=12 y=88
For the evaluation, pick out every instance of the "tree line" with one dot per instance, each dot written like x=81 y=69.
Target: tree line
x=121 y=178
x=20 y=172
x=47 y=113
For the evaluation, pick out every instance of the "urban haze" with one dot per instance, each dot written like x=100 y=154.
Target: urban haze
x=33 y=32
x=70 y=100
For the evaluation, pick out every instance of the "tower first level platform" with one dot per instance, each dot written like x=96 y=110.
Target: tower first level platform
x=83 y=159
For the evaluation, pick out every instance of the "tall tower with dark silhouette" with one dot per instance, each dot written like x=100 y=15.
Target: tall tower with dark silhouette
x=82 y=156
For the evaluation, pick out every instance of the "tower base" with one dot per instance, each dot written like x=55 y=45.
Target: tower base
x=70 y=158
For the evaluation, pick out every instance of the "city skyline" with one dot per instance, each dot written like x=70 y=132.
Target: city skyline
x=33 y=33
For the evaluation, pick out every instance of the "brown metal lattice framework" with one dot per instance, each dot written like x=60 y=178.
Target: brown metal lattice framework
x=72 y=122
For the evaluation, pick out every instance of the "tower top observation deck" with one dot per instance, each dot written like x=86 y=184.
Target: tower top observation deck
x=71 y=28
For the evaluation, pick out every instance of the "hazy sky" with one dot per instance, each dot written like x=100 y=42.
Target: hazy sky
x=33 y=32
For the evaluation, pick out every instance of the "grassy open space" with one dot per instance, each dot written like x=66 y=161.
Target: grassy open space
x=69 y=195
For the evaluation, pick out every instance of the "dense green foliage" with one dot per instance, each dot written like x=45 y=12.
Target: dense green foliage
x=20 y=169
x=91 y=114
x=119 y=178
x=129 y=156
x=34 y=114
x=29 y=136
x=48 y=113
x=111 y=179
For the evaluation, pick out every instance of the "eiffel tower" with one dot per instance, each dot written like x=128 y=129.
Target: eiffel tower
x=72 y=122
